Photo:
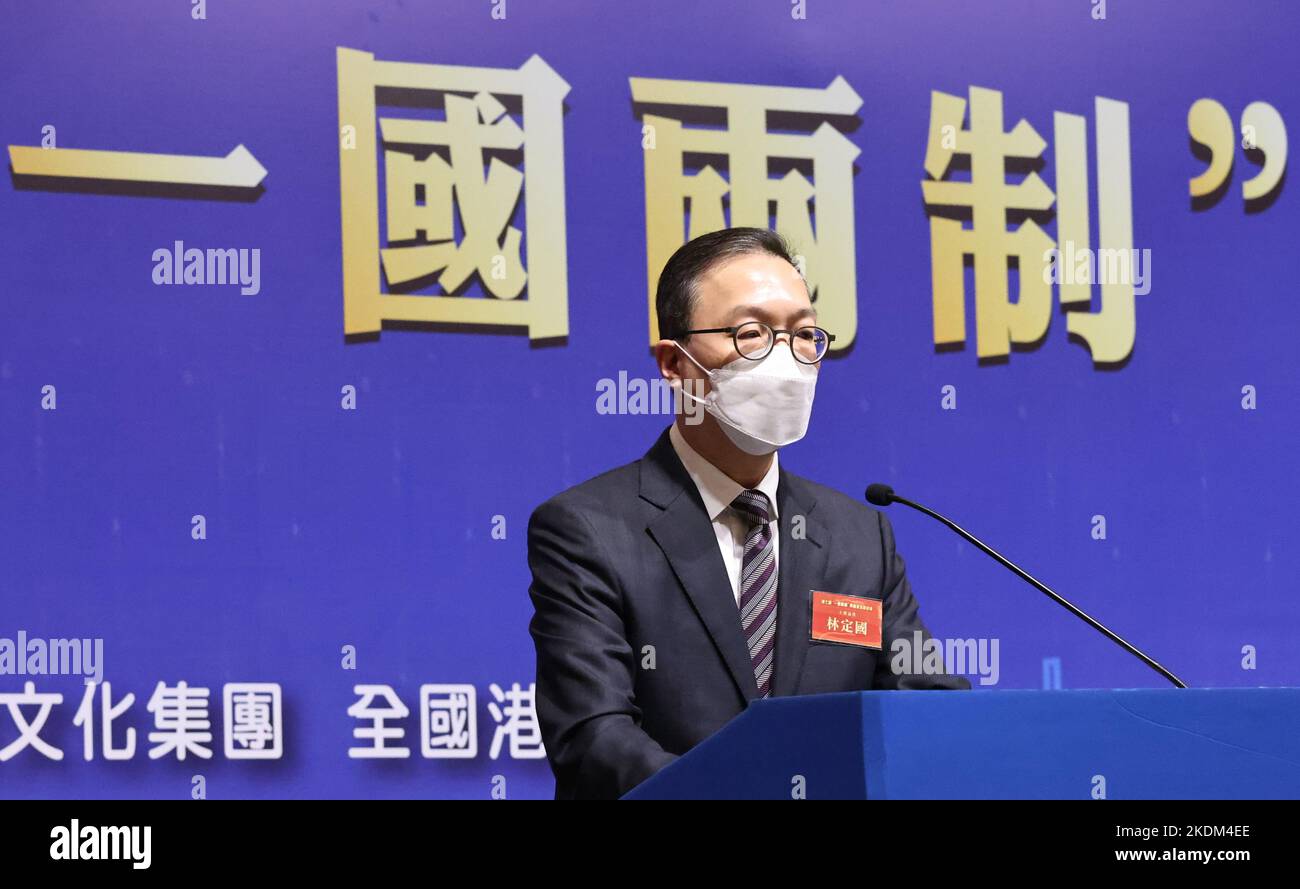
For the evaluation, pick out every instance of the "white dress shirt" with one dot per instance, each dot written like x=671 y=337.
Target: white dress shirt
x=718 y=490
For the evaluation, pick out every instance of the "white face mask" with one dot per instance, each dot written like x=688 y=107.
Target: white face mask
x=761 y=405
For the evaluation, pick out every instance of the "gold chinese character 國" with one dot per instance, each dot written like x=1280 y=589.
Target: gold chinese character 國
x=750 y=150
x=1069 y=261
x=435 y=189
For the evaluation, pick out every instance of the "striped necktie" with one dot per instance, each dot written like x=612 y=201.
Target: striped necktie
x=758 y=586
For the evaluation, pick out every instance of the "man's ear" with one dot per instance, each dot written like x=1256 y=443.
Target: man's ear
x=669 y=359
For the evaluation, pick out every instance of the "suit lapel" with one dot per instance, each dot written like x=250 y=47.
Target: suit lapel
x=804 y=546
x=684 y=533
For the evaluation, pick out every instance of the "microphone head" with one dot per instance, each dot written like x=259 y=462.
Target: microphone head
x=880 y=495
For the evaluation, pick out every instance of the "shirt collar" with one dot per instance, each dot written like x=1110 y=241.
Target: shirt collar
x=717 y=489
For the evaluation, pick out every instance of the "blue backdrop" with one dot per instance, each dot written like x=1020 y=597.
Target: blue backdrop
x=373 y=527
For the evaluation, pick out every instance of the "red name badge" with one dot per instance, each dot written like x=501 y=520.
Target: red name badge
x=848 y=620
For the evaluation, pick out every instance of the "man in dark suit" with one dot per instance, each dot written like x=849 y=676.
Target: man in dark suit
x=671 y=592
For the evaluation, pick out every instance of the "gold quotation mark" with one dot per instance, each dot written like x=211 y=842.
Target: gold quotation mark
x=1262 y=130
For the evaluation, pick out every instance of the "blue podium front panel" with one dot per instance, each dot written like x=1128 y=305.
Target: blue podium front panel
x=1117 y=744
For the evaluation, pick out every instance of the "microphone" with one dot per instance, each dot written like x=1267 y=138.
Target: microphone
x=883 y=495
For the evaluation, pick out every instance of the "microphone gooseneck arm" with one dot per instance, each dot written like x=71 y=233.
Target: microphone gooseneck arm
x=883 y=495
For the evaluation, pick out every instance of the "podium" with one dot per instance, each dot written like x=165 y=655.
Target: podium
x=1221 y=743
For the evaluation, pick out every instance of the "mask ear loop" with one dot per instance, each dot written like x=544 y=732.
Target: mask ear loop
x=681 y=383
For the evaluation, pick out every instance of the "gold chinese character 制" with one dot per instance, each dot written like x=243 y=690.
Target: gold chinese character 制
x=986 y=199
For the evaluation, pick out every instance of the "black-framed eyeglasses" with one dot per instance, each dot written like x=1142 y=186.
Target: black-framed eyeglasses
x=754 y=340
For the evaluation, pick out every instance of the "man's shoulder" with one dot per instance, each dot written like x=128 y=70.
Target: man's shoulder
x=832 y=505
x=598 y=496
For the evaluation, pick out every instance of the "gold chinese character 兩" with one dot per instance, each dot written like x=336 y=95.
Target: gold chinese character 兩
x=986 y=199
x=750 y=150
x=445 y=220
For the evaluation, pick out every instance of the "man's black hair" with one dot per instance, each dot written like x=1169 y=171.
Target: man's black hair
x=679 y=282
